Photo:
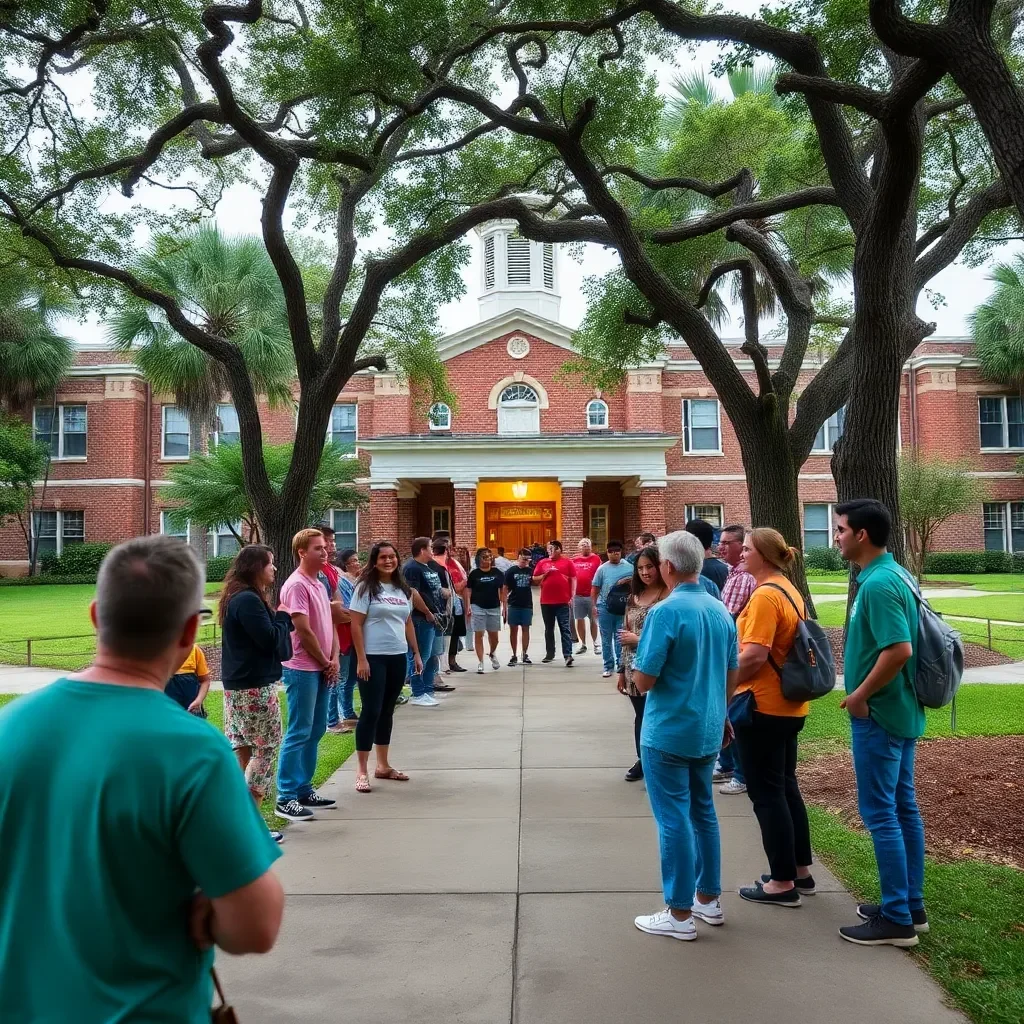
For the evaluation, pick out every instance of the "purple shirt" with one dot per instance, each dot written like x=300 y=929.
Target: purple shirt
x=301 y=595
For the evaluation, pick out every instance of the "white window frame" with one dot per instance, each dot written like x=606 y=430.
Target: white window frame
x=447 y=424
x=59 y=412
x=520 y=242
x=830 y=440
x=355 y=428
x=163 y=436
x=830 y=507
x=215 y=436
x=694 y=512
x=434 y=527
x=518 y=404
x=688 y=428
x=59 y=520
x=1005 y=423
x=592 y=532
x=213 y=539
x=167 y=533
x=331 y=514
x=1007 y=527
x=604 y=405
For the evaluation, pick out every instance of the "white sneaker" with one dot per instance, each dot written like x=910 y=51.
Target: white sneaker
x=495 y=664
x=425 y=701
x=732 y=787
x=479 y=668
x=663 y=923
x=606 y=674
x=582 y=649
x=709 y=913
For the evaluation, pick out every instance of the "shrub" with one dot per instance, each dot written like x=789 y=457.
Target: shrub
x=217 y=567
x=45 y=581
x=77 y=560
x=824 y=559
x=974 y=562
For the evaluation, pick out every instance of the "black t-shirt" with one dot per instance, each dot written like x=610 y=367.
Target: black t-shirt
x=485 y=587
x=428 y=578
x=520 y=588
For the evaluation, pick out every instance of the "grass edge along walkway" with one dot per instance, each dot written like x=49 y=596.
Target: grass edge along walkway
x=975 y=949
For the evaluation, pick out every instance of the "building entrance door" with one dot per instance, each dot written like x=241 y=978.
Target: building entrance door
x=514 y=525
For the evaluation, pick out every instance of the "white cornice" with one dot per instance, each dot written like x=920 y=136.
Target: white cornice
x=514 y=320
x=120 y=369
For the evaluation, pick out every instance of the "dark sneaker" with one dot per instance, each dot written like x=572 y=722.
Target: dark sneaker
x=513 y=661
x=547 y=659
x=292 y=810
x=444 y=687
x=314 y=800
x=635 y=773
x=880 y=931
x=456 y=667
x=721 y=775
x=526 y=660
x=866 y=911
x=278 y=837
x=569 y=662
x=804 y=886
x=755 y=894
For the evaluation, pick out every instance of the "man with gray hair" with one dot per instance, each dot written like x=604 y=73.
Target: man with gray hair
x=686 y=658
x=131 y=844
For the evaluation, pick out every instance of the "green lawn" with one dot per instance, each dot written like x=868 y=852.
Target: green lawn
x=998 y=581
x=975 y=949
x=1009 y=606
x=331 y=754
x=57 y=611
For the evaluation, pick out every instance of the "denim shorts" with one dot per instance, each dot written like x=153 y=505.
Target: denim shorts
x=520 y=616
x=485 y=619
x=582 y=607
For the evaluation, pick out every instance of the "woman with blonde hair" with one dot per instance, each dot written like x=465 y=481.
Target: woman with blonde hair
x=767 y=724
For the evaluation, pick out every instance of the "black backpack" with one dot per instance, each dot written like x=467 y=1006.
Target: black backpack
x=618 y=597
x=809 y=670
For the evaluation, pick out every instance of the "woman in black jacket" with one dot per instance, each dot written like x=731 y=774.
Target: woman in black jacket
x=254 y=641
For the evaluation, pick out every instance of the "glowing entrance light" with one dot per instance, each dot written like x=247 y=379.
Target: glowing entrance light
x=519 y=490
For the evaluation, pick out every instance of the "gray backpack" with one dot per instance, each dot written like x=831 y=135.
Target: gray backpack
x=809 y=670
x=940 y=654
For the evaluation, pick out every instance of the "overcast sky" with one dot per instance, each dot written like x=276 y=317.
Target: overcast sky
x=962 y=287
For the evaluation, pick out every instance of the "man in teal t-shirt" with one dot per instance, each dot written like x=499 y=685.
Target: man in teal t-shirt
x=130 y=842
x=886 y=719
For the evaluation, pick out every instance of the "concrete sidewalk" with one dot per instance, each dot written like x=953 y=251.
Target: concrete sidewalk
x=499 y=886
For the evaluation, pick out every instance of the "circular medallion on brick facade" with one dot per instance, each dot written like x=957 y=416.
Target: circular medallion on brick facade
x=518 y=346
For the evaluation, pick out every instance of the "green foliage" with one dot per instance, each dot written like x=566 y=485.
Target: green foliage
x=209 y=490
x=971 y=562
x=823 y=560
x=933 y=490
x=45 y=581
x=997 y=326
x=77 y=560
x=22 y=461
x=217 y=568
x=230 y=287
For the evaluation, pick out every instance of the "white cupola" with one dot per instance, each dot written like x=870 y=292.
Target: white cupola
x=516 y=273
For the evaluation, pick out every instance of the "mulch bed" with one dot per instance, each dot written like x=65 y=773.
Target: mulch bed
x=970 y=791
x=975 y=656
x=212 y=652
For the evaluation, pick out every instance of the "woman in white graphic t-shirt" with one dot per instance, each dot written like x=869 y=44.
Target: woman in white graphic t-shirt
x=382 y=634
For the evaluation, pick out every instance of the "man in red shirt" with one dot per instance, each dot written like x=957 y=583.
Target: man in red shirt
x=557 y=578
x=586 y=564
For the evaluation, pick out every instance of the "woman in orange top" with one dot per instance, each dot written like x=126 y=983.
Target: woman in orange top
x=767 y=743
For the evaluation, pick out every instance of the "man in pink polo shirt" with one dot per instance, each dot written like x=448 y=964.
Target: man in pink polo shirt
x=308 y=675
x=586 y=564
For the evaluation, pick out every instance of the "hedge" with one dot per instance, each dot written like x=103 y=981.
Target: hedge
x=825 y=560
x=77 y=560
x=45 y=581
x=974 y=562
x=217 y=568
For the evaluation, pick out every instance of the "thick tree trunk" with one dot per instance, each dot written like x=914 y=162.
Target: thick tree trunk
x=277 y=532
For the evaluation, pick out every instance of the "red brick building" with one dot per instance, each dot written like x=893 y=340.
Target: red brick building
x=527 y=453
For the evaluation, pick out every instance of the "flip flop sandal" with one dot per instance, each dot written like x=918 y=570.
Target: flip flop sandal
x=363 y=784
x=394 y=775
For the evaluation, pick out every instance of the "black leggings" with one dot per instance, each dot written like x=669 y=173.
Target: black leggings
x=768 y=753
x=379 y=694
x=638 y=717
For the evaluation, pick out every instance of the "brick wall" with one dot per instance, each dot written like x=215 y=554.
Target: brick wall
x=609 y=493
x=652 y=510
x=572 y=517
x=464 y=532
x=383 y=516
x=407 y=514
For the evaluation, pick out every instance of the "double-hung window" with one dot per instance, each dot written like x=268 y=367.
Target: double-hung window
x=702 y=427
x=1001 y=422
x=63 y=429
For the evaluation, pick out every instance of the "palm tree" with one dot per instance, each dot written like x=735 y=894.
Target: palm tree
x=997 y=326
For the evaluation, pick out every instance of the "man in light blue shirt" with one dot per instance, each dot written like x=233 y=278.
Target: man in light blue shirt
x=610 y=616
x=686 y=658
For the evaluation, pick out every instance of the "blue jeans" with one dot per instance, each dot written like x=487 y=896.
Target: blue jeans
x=679 y=789
x=609 y=625
x=339 y=698
x=307 y=722
x=422 y=684
x=884 y=766
x=730 y=762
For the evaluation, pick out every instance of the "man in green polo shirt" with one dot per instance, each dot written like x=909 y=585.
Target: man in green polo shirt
x=886 y=720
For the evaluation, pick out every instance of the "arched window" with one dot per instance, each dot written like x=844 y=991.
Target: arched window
x=518 y=410
x=440 y=417
x=597 y=415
